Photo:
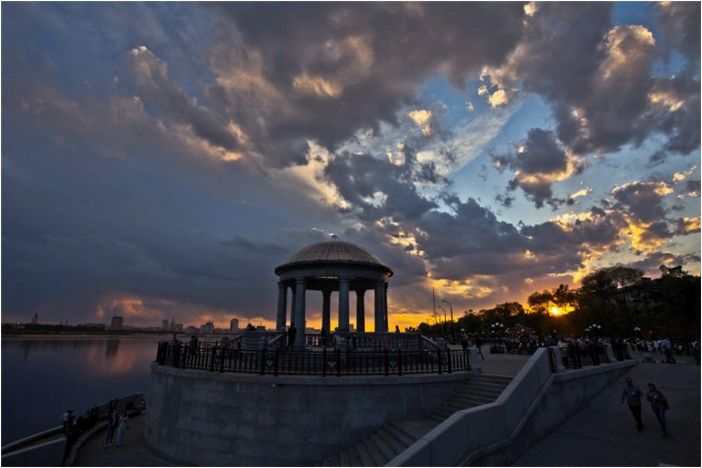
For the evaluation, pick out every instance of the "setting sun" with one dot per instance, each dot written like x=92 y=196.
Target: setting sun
x=557 y=311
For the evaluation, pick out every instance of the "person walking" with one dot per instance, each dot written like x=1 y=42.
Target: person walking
x=464 y=339
x=121 y=429
x=479 y=345
x=659 y=404
x=633 y=395
x=68 y=420
x=112 y=421
x=667 y=348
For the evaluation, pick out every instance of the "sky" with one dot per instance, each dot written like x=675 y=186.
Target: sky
x=159 y=160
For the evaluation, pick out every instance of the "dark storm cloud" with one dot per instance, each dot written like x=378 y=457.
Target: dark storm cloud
x=686 y=226
x=158 y=91
x=675 y=111
x=680 y=23
x=598 y=79
x=378 y=188
x=652 y=262
x=599 y=230
x=471 y=228
x=692 y=187
x=642 y=199
x=323 y=71
x=123 y=125
x=538 y=162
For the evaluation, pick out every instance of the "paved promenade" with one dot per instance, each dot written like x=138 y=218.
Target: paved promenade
x=603 y=433
x=132 y=452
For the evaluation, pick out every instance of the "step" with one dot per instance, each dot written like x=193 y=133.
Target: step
x=376 y=452
x=480 y=388
x=445 y=412
x=344 y=458
x=403 y=436
x=365 y=456
x=465 y=403
x=385 y=443
x=491 y=378
x=395 y=445
x=457 y=405
x=354 y=458
x=469 y=402
x=475 y=397
x=484 y=384
x=481 y=393
x=472 y=402
x=436 y=417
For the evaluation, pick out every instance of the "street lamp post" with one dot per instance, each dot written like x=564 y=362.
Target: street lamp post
x=445 y=321
x=451 y=308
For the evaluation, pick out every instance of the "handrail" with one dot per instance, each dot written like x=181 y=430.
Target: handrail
x=429 y=343
x=277 y=342
x=81 y=425
x=30 y=439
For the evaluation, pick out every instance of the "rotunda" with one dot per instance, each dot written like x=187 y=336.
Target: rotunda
x=327 y=267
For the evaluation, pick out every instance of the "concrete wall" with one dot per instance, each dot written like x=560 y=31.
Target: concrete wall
x=533 y=404
x=565 y=396
x=209 y=418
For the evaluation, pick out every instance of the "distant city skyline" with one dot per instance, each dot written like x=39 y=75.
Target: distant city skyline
x=162 y=159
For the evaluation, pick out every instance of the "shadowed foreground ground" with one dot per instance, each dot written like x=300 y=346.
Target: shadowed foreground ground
x=603 y=432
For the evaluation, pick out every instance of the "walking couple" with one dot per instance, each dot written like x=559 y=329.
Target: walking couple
x=659 y=404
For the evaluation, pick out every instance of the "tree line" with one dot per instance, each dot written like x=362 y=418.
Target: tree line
x=621 y=300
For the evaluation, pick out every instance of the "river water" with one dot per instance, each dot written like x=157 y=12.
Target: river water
x=42 y=376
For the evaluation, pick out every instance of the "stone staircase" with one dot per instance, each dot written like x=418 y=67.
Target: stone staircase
x=381 y=446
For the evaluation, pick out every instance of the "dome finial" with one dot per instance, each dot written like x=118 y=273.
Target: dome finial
x=334 y=237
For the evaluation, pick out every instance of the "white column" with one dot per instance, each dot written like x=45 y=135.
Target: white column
x=282 y=306
x=379 y=307
x=300 y=285
x=326 y=310
x=386 y=322
x=360 y=311
x=343 y=304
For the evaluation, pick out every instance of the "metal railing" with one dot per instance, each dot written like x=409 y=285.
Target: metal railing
x=575 y=356
x=322 y=363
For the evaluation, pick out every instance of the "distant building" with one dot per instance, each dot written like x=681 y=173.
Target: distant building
x=207 y=328
x=261 y=328
x=35 y=319
x=99 y=326
x=177 y=327
x=191 y=330
x=234 y=325
x=117 y=322
x=164 y=324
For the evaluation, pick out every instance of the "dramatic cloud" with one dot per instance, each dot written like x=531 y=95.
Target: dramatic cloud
x=162 y=159
x=681 y=27
x=642 y=199
x=538 y=162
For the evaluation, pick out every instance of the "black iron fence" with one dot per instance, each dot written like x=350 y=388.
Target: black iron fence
x=214 y=358
x=575 y=356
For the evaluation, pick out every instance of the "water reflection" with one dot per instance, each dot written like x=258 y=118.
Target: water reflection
x=111 y=348
x=42 y=376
